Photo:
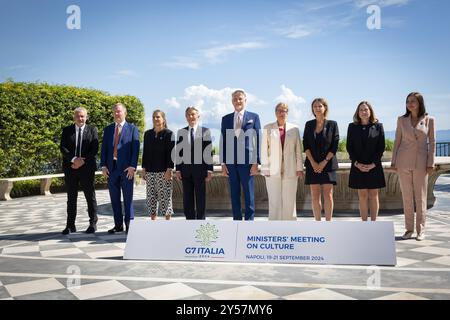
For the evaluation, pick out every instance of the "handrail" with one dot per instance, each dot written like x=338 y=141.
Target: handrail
x=442 y=149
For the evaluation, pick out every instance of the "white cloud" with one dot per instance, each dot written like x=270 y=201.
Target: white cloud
x=310 y=18
x=295 y=31
x=17 y=67
x=393 y=22
x=212 y=103
x=213 y=55
x=381 y=3
x=125 y=73
x=172 y=102
x=182 y=63
x=218 y=53
x=288 y=96
x=315 y=6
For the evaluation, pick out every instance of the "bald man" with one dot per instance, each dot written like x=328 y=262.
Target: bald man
x=79 y=147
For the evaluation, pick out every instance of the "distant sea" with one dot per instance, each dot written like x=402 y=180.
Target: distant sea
x=441 y=135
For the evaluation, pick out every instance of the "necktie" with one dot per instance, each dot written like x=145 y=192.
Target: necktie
x=78 y=151
x=238 y=127
x=192 y=145
x=116 y=140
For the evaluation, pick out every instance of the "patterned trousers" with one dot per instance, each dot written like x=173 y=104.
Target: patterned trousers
x=159 y=194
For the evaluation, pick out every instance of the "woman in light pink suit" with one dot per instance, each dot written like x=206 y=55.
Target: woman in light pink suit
x=414 y=158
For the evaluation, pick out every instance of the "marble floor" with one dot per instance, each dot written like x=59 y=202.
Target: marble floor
x=37 y=262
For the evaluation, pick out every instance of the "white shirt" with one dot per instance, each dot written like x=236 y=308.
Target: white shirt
x=189 y=135
x=77 y=129
x=241 y=118
x=239 y=114
x=121 y=126
x=195 y=131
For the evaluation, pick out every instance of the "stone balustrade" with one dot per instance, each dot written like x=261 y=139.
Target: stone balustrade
x=218 y=196
x=345 y=199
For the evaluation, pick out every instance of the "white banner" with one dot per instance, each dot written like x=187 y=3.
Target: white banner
x=181 y=240
x=339 y=242
x=308 y=242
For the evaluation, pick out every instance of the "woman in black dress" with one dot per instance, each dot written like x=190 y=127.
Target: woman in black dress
x=320 y=142
x=365 y=145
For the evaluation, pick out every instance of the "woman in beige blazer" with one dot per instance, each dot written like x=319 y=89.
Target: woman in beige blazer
x=281 y=164
x=413 y=158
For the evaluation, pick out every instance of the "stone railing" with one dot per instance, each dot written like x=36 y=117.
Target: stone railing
x=218 y=195
x=345 y=199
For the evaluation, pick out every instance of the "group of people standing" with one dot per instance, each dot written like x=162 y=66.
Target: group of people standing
x=278 y=148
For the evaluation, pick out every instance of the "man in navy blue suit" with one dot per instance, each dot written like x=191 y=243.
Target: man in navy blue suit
x=240 y=154
x=119 y=156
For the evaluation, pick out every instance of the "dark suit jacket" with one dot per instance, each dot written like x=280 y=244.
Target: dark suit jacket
x=250 y=143
x=157 y=154
x=127 y=150
x=372 y=150
x=89 y=146
x=202 y=142
x=319 y=152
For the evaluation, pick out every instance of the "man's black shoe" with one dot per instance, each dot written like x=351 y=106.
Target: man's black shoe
x=115 y=229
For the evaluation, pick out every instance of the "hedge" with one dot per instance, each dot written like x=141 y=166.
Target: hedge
x=32 y=116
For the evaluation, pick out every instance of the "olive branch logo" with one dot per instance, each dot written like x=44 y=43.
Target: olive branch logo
x=207 y=233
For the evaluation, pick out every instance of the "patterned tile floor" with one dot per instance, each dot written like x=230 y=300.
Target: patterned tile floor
x=37 y=262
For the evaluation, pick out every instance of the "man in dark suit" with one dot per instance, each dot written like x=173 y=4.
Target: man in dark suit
x=194 y=164
x=240 y=154
x=119 y=157
x=79 y=147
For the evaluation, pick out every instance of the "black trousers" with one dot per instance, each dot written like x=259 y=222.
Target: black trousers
x=84 y=178
x=194 y=188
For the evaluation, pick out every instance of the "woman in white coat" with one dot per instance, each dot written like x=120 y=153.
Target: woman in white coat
x=282 y=164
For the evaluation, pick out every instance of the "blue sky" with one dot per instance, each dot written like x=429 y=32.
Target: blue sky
x=172 y=54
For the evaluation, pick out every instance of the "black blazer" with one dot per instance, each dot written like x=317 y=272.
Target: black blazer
x=202 y=138
x=89 y=146
x=157 y=154
x=319 y=152
x=369 y=152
